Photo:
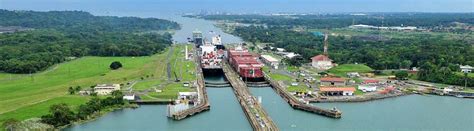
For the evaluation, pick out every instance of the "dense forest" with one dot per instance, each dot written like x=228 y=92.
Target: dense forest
x=431 y=21
x=436 y=57
x=60 y=35
x=76 y=21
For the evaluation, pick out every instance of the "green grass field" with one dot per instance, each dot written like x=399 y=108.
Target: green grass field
x=26 y=97
x=341 y=70
x=468 y=75
x=280 y=77
x=184 y=69
x=298 y=88
x=170 y=91
x=37 y=110
x=146 y=84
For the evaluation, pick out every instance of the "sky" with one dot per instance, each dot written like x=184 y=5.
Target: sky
x=245 y=6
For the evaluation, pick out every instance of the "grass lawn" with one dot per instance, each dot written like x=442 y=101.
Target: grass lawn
x=280 y=77
x=42 y=108
x=298 y=88
x=30 y=93
x=146 y=84
x=170 y=91
x=358 y=92
x=468 y=74
x=468 y=89
x=292 y=68
x=341 y=70
x=184 y=69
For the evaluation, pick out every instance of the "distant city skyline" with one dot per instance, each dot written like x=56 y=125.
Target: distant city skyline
x=245 y=6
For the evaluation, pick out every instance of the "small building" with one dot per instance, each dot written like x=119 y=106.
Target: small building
x=129 y=97
x=466 y=68
x=353 y=74
x=367 y=88
x=105 y=89
x=290 y=55
x=333 y=81
x=271 y=61
x=321 y=62
x=337 y=91
x=187 y=95
x=186 y=84
x=447 y=90
x=280 y=50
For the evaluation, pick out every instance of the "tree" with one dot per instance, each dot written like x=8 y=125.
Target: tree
x=115 y=65
x=406 y=64
x=71 y=90
x=401 y=75
x=295 y=61
x=78 y=88
x=60 y=115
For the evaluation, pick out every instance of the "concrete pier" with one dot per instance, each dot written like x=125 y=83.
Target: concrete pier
x=296 y=104
x=258 y=118
x=203 y=101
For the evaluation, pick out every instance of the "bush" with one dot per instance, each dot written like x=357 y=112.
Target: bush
x=115 y=65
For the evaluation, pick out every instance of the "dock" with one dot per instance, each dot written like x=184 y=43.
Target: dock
x=203 y=100
x=296 y=104
x=258 y=118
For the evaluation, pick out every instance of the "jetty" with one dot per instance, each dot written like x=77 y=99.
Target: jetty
x=203 y=101
x=258 y=118
x=296 y=104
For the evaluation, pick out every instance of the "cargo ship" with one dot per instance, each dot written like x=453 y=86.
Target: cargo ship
x=246 y=64
x=211 y=53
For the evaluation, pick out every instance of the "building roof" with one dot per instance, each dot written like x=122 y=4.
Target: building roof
x=320 y=58
x=269 y=58
x=466 y=67
x=337 y=89
x=332 y=79
x=371 y=81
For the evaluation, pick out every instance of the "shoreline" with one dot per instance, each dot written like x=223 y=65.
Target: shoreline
x=98 y=115
x=357 y=99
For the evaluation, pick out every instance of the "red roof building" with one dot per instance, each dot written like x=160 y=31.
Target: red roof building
x=333 y=81
x=337 y=91
x=321 y=62
x=320 y=58
x=371 y=81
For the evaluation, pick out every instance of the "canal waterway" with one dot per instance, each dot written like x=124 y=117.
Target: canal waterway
x=413 y=112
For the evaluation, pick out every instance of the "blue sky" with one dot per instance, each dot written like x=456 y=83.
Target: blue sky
x=247 y=6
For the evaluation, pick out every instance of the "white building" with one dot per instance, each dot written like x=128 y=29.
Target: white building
x=447 y=90
x=367 y=88
x=271 y=61
x=321 y=62
x=353 y=74
x=105 y=89
x=291 y=55
x=187 y=95
x=466 y=68
x=280 y=50
x=129 y=97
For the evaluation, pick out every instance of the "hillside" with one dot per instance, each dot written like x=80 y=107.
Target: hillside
x=62 y=35
x=341 y=70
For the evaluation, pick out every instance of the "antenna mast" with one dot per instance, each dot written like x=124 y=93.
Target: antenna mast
x=326 y=44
